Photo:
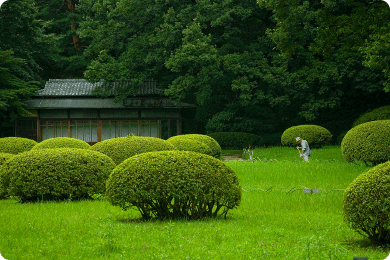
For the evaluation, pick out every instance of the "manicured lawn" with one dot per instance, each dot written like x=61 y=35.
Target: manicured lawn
x=276 y=220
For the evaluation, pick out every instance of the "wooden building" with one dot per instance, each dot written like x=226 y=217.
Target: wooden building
x=68 y=108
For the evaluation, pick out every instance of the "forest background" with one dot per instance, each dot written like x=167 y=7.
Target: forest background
x=249 y=66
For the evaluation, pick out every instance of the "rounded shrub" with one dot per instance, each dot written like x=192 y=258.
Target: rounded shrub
x=121 y=148
x=4 y=157
x=366 y=204
x=236 y=140
x=55 y=174
x=174 y=184
x=368 y=142
x=190 y=145
x=216 y=150
x=316 y=136
x=62 y=142
x=381 y=113
x=15 y=145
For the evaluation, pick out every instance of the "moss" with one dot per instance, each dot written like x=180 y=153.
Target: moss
x=174 y=184
x=190 y=145
x=316 y=136
x=62 y=142
x=121 y=148
x=15 y=145
x=381 y=113
x=366 y=204
x=236 y=140
x=55 y=174
x=209 y=141
x=368 y=142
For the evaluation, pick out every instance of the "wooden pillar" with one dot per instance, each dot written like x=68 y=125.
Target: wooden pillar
x=99 y=130
x=39 y=131
x=178 y=124
x=159 y=134
x=139 y=127
x=69 y=133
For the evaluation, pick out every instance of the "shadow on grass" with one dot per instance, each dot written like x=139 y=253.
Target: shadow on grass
x=363 y=243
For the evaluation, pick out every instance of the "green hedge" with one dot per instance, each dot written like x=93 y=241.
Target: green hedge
x=209 y=141
x=236 y=140
x=366 y=204
x=368 y=142
x=4 y=157
x=381 y=113
x=61 y=142
x=55 y=174
x=15 y=145
x=121 y=148
x=174 y=184
x=316 y=136
x=190 y=145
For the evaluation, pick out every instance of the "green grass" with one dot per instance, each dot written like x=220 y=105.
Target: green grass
x=276 y=220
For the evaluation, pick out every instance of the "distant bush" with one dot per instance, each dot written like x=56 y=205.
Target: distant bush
x=209 y=141
x=55 y=174
x=315 y=135
x=381 y=113
x=174 y=184
x=272 y=139
x=121 y=148
x=190 y=145
x=62 y=142
x=4 y=157
x=366 y=204
x=341 y=137
x=15 y=145
x=236 y=140
x=368 y=142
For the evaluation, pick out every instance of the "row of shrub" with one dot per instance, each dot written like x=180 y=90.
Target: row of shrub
x=184 y=184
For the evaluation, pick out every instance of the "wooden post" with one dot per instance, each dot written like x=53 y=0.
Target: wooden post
x=178 y=126
x=69 y=133
x=139 y=127
x=39 y=131
x=99 y=130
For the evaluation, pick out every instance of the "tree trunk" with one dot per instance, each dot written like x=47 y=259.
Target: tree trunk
x=73 y=26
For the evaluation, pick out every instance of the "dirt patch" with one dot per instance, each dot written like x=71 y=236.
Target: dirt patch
x=232 y=157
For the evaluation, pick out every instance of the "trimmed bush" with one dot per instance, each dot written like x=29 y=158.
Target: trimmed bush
x=190 y=145
x=381 y=113
x=174 y=184
x=209 y=141
x=316 y=136
x=62 y=142
x=4 y=157
x=236 y=140
x=366 y=204
x=368 y=142
x=121 y=148
x=15 y=145
x=55 y=174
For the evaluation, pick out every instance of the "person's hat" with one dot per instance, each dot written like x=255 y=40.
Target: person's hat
x=297 y=139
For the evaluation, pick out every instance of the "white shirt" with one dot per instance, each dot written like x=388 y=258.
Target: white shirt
x=305 y=147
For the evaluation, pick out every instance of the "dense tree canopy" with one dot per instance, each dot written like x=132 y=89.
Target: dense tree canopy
x=250 y=66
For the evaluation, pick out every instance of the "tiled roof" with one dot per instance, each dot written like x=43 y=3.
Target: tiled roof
x=81 y=87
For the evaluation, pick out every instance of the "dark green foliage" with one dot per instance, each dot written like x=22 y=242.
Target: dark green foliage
x=366 y=204
x=121 y=148
x=237 y=140
x=55 y=174
x=174 y=184
x=190 y=145
x=315 y=135
x=368 y=142
x=15 y=145
x=4 y=157
x=381 y=113
x=62 y=142
x=341 y=137
x=272 y=139
x=210 y=142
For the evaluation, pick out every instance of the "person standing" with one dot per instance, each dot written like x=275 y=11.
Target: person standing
x=305 y=149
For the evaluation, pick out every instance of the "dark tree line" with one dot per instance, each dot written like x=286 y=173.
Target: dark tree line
x=251 y=66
